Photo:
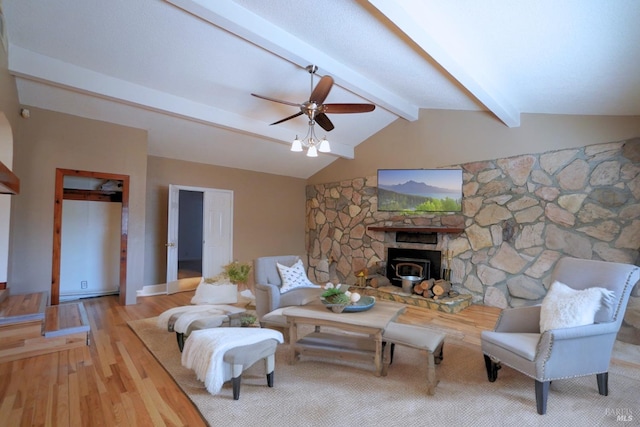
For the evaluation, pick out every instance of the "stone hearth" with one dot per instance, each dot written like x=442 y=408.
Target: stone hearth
x=394 y=293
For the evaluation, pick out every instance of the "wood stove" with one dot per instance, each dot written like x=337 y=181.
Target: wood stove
x=425 y=264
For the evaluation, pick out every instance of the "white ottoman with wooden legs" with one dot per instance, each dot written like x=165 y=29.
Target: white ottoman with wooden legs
x=222 y=354
x=417 y=337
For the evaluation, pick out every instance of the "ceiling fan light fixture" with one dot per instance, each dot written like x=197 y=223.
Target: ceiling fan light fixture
x=311 y=142
x=296 y=145
x=316 y=111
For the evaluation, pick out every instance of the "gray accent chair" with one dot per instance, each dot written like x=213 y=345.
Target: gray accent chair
x=269 y=300
x=568 y=352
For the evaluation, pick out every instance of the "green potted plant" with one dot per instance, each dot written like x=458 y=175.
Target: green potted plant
x=237 y=272
x=247 y=319
x=337 y=298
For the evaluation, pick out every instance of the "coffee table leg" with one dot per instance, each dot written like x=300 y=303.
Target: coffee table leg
x=293 y=338
x=378 y=357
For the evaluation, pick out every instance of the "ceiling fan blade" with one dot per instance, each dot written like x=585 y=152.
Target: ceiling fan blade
x=348 y=108
x=276 y=100
x=321 y=90
x=299 y=113
x=324 y=122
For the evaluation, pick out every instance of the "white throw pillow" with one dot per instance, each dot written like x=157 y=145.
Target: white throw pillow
x=294 y=277
x=215 y=293
x=564 y=307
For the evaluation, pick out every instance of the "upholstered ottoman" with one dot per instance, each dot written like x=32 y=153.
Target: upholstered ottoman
x=186 y=319
x=417 y=337
x=222 y=354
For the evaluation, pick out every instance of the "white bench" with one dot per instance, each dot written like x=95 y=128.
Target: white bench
x=417 y=337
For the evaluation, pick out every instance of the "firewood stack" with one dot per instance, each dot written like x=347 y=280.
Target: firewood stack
x=428 y=288
x=441 y=289
x=432 y=288
x=424 y=288
x=378 y=281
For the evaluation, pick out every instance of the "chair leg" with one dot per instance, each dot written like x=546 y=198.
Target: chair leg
x=492 y=368
x=542 y=391
x=392 y=347
x=270 y=379
x=180 y=338
x=236 y=387
x=603 y=383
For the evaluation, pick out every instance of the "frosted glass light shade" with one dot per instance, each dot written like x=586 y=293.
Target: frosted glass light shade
x=296 y=145
x=312 y=151
x=324 y=146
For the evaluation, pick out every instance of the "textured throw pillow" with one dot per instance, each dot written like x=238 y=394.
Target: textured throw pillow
x=294 y=277
x=564 y=307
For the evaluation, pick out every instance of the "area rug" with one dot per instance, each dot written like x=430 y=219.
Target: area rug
x=316 y=392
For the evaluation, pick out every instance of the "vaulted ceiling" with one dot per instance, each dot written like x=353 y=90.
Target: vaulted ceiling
x=184 y=70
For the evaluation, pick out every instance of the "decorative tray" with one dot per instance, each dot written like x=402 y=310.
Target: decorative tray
x=364 y=304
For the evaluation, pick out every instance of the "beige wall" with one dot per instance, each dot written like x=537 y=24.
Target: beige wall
x=269 y=210
x=447 y=137
x=50 y=140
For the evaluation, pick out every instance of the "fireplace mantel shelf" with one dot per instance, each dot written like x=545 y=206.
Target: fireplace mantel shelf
x=417 y=229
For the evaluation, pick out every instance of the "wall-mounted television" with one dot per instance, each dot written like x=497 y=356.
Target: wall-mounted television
x=420 y=190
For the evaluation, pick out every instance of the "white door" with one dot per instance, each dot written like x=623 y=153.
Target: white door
x=217 y=247
x=217 y=242
x=172 y=233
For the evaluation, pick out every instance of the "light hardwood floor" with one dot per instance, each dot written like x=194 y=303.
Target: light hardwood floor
x=116 y=381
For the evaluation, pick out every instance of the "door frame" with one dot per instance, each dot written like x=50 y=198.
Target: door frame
x=57 y=226
x=172 y=227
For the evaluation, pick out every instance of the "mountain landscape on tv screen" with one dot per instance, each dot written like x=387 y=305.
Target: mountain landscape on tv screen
x=416 y=196
x=417 y=189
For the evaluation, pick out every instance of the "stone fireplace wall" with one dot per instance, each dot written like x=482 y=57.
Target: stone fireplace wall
x=520 y=215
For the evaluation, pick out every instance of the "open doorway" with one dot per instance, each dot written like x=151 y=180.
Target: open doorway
x=115 y=190
x=204 y=224
x=190 y=237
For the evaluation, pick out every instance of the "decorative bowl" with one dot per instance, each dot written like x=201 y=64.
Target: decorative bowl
x=364 y=304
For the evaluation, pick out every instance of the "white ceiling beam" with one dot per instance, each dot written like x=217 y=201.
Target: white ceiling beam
x=34 y=66
x=402 y=14
x=251 y=27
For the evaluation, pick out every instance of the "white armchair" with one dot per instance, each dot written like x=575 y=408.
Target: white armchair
x=568 y=352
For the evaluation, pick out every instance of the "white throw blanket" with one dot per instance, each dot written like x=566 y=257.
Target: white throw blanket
x=190 y=313
x=205 y=349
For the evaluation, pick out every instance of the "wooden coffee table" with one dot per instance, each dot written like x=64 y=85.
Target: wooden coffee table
x=369 y=324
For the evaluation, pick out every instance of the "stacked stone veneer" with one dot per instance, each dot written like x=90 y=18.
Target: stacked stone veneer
x=520 y=215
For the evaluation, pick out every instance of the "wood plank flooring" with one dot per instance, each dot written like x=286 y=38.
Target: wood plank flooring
x=23 y=308
x=116 y=381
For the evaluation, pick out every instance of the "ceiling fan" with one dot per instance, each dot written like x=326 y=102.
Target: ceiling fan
x=314 y=107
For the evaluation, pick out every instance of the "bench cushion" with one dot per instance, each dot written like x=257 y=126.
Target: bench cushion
x=247 y=355
x=413 y=336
